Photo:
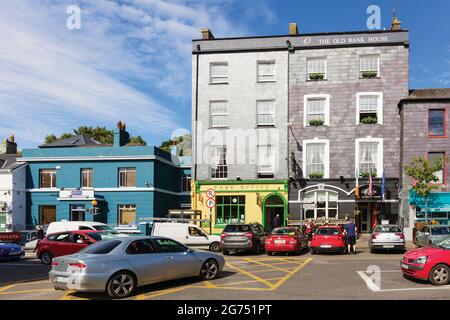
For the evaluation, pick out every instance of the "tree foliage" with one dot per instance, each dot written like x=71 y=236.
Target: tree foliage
x=423 y=171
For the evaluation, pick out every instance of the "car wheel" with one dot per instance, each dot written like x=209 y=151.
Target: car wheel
x=440 y=275
x=209 y=270
x=121 y=285
x=269 y=253
x=225 y=252
x=46 y=257
x=214 y=247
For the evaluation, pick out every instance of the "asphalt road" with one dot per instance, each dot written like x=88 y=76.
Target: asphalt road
x=331 y=276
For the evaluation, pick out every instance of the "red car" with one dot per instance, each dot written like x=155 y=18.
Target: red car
x=65 y=243
x=286 y=239
x=429 y=263
x=328 y=239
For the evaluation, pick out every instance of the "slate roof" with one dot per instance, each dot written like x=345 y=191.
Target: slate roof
x=8 y=162
x=81 y=140
x=428 y=94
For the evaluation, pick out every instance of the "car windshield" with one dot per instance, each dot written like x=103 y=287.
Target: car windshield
x=328 y=231
x=104 y=228
x=284 y=231
x=98 y=236
x=102 y=247
x=440 y=231
x=444 y=243
x=237 y=228
x=387 y=229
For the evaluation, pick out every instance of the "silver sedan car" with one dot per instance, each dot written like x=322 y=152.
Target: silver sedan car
x=387 y=237
x=119 y=266
x=430 y=234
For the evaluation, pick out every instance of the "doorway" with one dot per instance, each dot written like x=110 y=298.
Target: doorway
x=273 y=205
x=77 y=212
x=47 y=215
x=364 y=223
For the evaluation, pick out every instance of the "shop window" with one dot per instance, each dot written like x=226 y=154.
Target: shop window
x=77 y=212
x=433 y=156
x=218 y=114
x=127 y=214
x=219 y=72
x=47 y=178
x=369 y=66
x=86 y=178
x=265 y=110
x=369 y=108
x=320 y=204
x=266 y=71
x=127 y=177
x=47 y=214
x=230 y=209
x=219 y=167
x=436 y=123
x=317 y=68
x=265 y=162
x=186 y=183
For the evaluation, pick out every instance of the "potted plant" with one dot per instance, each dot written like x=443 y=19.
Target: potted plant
x=316 y=122
x=367 y=174
x=369 y=120
x=315 y=175
x=316 y=76
x=369 y=74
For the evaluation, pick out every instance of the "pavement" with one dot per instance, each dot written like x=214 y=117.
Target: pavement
x=260 y=277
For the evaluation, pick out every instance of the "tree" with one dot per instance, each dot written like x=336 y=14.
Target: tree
x=138 y=140
x=423 y=171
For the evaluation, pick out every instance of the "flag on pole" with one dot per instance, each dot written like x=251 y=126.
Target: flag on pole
x=383 y=186
x=370 y=193
x=356 y=183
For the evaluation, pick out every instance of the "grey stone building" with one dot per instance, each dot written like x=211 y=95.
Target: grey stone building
x=343 y=118
x=424 y=133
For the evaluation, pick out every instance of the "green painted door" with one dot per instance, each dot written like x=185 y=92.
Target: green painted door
x=2 y=221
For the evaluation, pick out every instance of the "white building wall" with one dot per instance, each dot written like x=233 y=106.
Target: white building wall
x=12 y=192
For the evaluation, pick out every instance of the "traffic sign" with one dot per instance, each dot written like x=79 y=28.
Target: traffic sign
x=210 y=203
x=210 y=193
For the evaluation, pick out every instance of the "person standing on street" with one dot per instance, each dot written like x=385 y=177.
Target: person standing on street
x=350 y=235
x=39 y=236
x=276 y=221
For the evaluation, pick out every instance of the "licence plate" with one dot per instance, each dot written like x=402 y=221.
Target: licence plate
x=14 y=253
x=405 y=266
x=280 y=241
x=61 y=279
x=388 y=246
x=325 y=246
x=236 y=238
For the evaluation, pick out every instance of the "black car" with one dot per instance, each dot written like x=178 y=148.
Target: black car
x=243 y=237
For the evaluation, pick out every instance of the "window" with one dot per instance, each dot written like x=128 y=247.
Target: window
x=317 y=68
x=433 y=156
x=168 y=245
x=101 y=247
x=127 y=214
x=196 y=232
x=219 y=168
x=369 y=66
x=320 y=204
x=316 y=110
x=265 y=162
x=369 y=156
x=230 y=209
x=127 y=177
x=47 y=178
x=62 y=237
x=436 y=122
x=47 y=214
x=219 y=72
x=186 y=183
x=77 y=212
x=369 y=106
x=316 y=158
x=265 y=110
x=141 y=247
x=266 y=71
x=218 y=114
x=86 y=178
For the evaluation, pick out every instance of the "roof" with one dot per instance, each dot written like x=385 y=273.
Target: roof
x=427 y=94
x=8 y=162
x=81 y=140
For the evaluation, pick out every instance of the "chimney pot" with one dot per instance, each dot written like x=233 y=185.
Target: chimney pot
x=293 y=29
x=207 y=34
x=396 y=24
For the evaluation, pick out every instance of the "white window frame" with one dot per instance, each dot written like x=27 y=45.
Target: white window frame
x=258 y=113
x=220 y=166
x=218 y=114
x=274 y=71
x=378 y=64
x=326 y=173
x=327 y=207
x=125 y=171
x=327 y=98
x=222 y=63
x=53 y=177
x=271 y=158
x=380 y=155
x=316 y=58
x=380 y=105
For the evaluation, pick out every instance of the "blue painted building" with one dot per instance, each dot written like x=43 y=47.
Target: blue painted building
x=81 y=179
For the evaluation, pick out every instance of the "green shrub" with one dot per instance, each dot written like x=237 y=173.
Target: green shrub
x=316 y=76
x=369 y=120
x=369 y=74
x=316 y=122
x=316 y=175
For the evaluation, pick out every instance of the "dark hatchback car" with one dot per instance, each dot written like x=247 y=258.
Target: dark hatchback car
x=243 y=237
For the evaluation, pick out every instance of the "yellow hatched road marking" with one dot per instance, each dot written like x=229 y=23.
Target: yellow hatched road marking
x=279 y=283
x=251 y=275
x=160 y=293
x=7 y=287
x=267 y=265
x=242 y=282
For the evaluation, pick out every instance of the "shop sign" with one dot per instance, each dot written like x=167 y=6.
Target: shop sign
x=76 y=194
x=10 y=236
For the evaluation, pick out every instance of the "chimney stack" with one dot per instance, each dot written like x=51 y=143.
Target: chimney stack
x=396 y=24
x=207 y=34
x=8 y=145
x=121 y=136
x=293 y=29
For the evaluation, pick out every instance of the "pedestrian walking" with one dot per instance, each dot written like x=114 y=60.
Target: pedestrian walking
x=350 y=235
x=39 y=236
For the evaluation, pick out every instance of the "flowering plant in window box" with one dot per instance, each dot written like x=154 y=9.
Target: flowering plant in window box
x=369 y=74
x=367 y=174
x=369 y=120
x=315 y=175
x=316 y=122
x=316 y=76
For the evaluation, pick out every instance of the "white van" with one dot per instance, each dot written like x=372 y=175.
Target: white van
x=62 y=226
x=188 y=234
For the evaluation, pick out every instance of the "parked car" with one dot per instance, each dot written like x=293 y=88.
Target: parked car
x=120 y=265
x=387 y=237
x=429 y=235
x=188 y=234
x=328 y=239
x=69 y=242
x=243 y=237
x=429 y=263
x=11 y=251
x=61 y=226
x=286 y=239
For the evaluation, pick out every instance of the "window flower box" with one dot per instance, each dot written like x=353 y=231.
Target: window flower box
x=316 y=122
x=316 y=76
x=369 y=120
x=315 y=175
x=367 y=174
x=369 y=74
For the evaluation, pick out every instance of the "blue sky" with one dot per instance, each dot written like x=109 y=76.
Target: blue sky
x=131 y=59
